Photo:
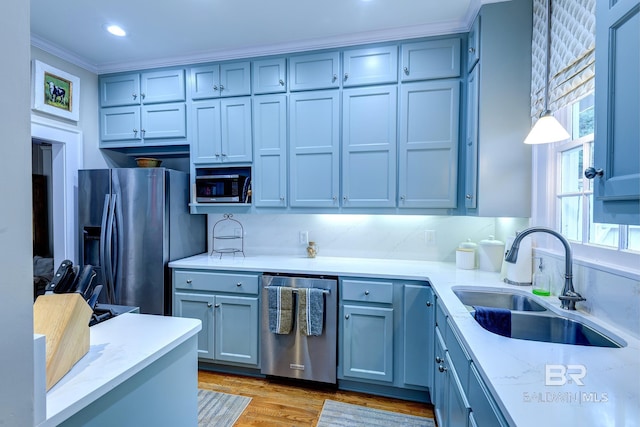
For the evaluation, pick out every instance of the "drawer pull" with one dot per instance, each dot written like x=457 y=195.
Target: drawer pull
x=346 y=316
x=239 y=284
x=366 y=292
x=188 y=281
x=428 y=303
x=439 y=359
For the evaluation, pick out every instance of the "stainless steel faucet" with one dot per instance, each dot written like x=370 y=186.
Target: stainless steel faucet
x=569 y=296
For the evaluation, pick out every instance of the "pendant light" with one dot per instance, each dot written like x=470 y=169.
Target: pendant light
x=547 y=129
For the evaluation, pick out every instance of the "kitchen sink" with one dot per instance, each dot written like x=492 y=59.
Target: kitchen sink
x=497 y=299
x=557 y=329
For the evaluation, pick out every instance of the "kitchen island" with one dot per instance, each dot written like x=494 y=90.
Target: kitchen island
x=514 y=370
x=140 y=370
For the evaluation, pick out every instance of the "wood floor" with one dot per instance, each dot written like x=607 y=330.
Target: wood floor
x=280 y=403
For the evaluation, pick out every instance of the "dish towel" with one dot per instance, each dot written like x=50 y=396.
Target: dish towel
x=310 y=311
x=280 y=309
x=496 y=320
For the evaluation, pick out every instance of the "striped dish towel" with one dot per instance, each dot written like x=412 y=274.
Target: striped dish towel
x=280 y=309
x=310 y=311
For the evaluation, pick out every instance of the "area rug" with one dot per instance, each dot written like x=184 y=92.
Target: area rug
x=336 y=414
x=219 y=409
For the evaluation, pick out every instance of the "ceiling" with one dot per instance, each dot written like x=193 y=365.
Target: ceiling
x=171 y=32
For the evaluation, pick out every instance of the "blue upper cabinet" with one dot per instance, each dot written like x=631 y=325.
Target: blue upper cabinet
x=121 y=89
x=433 y=59
x=162 y=86
x=370 y=66
x=369 y=147
x=269 y=181
x=269 y=76
x=473 y=44
x=314 y=147
x=617 y=108
x=220 y=80
x=314 y=71
x=428 y=145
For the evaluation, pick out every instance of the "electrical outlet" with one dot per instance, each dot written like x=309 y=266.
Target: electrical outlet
x=430 y=237
x=304 y=238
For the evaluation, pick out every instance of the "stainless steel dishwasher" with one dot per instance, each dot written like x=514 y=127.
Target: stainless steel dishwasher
x=295 y=355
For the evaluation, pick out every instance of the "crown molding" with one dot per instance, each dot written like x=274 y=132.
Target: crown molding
x=53 y=49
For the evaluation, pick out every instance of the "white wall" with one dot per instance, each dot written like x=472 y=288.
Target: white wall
x=16 y=282
x=366 y=236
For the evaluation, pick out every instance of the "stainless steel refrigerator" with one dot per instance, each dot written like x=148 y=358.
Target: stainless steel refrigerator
x=132 y=222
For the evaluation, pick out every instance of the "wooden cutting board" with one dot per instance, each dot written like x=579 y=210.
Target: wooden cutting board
x=64 y=321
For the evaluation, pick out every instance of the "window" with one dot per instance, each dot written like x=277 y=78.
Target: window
x=574 y=193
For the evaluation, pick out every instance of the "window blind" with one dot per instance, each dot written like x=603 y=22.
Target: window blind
x=572 y=64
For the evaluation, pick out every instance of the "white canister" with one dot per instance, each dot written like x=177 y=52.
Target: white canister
x=490 y=254
x=465 y=258
x=469 y=245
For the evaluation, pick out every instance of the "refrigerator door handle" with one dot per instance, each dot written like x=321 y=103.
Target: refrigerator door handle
x=115 y=248
x=103 y=253
x=109 y=267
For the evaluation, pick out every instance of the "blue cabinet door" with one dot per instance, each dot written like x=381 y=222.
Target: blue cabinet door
x=370 y=66
x=369 y=147
x=205 y=131
x=121 y=89
x=433 y=59
x=235 y=125
x=162 y=86
x=269 y=180
x=269 y=76
x=471 y=142
x=236 y=329
x=235 y=79
x=473 y=44
x=120 y=123
x=314 y=71
x=163 y=121
x=314 y=132
x=617 y=109
x=428 y=150
x=198 y=306
x=440 y=380
x=367 y=342
x=457 y=409
x=204 y=82
x=419 y=324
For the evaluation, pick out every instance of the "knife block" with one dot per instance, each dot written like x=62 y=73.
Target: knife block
x=64 y=321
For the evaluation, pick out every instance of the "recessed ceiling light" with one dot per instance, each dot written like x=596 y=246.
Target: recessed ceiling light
x=116 y=30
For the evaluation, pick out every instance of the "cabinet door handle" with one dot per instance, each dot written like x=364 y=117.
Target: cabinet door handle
x=142 y=96
x=135 y=132
x=406 y=70
x=439 y=359
x=209 y=304
x=224 y=155
x=345 y=198
x=346 y=76
x=221 y=88
x=135 y=95
x=215 y=87
x=217 y=306
x=217 y=154
x=592 y=172
x=335 y=77
x=442 y=368
x=282 y=198
x=142 y=131
x=403 y=198
x=428 y=303
x=472 y=50
x=346 y=316
x=468 y=197
x=281 y=82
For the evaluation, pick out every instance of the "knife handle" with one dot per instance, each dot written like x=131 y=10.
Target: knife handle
x=83 y=283
x=62 y=279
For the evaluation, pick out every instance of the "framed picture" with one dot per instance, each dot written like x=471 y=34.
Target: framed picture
x=55 y=91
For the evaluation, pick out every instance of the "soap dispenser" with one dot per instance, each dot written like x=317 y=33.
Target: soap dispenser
x=541 y=282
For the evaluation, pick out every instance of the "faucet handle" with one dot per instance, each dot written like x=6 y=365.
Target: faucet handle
x=569 y=300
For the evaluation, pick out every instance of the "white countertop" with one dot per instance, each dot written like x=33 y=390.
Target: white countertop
x=119 y=348
x=513 y=369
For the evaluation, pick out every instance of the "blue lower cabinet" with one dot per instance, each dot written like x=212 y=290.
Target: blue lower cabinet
x=198 y=306
x=367 y=343
x=236 y=329
x=419 y=323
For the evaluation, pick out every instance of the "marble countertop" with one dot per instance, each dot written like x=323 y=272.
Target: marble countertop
x=118 y=349
x=514 y=370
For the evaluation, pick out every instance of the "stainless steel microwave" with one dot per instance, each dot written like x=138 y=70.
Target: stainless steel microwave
x=222 y=188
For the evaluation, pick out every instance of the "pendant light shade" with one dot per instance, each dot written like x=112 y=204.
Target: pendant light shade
x=547 y=129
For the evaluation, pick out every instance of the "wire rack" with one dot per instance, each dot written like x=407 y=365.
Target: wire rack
x=228 y=237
